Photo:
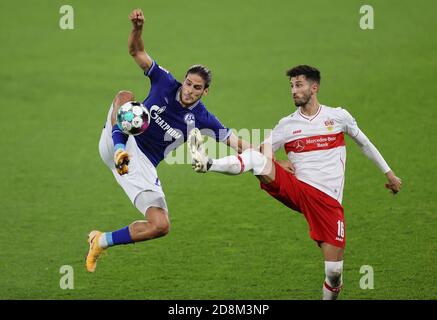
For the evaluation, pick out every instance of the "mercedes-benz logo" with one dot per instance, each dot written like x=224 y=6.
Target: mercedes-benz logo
x=299 y=145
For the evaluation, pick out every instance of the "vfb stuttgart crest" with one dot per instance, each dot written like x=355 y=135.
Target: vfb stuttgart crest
x=329 y=124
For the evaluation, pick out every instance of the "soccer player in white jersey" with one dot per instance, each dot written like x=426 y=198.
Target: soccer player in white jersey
x=174 y=109
x=313 y=138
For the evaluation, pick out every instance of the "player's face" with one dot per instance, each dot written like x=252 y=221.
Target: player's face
x=193 y=89
x=302 y=90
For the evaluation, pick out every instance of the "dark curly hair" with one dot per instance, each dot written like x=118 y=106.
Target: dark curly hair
x=309 y=72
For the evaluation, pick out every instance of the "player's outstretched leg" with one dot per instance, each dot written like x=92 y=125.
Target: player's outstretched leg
x=249 y=160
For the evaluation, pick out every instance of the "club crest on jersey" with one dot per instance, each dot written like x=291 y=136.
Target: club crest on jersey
x=189 y=119
x=329 y=124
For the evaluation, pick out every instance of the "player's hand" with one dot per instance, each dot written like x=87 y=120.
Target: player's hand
x=287 y=165
x=121 y=159
x=137 y=18
x=394 y=183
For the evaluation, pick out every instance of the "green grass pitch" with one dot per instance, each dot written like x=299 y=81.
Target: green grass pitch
x=229 y=239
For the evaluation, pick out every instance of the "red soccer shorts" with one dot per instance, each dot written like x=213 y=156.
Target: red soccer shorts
x=323 y=213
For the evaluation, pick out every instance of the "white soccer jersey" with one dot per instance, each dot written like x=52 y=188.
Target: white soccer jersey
x=316 y=146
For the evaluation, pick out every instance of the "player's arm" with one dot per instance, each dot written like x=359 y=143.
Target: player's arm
x=237 y=143
x=367 y=147
x=135 y=42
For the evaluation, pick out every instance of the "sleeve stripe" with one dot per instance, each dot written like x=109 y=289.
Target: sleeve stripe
x=227 y=135
x=150 y=70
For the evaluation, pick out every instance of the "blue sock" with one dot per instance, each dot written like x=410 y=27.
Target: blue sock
x=121 y=236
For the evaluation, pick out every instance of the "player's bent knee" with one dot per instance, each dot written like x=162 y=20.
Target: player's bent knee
x=123 y=93
x=122 y=97
x=158 y=220
x=161 y=228
x=164 y=229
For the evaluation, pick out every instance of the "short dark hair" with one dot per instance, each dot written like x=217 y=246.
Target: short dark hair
x=309 y=72
x=202 y=71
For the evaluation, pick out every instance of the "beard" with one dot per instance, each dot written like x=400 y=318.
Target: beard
x=190 y=102
x=303 y=100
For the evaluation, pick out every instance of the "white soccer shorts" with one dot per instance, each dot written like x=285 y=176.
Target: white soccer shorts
x=141 y=183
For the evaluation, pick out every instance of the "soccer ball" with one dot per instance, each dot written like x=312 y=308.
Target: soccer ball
x=133 y=118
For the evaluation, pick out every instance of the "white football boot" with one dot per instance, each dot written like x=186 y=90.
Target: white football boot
x=199 y=158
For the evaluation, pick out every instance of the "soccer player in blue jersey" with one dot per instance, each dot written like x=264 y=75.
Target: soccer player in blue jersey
x=175 y=108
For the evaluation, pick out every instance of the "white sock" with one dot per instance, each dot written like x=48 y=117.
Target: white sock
x=103 y=242
x=227 y=165
x=334 y=279
x=250 y=159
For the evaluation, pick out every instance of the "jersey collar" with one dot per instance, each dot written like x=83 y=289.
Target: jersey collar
x=313 y=117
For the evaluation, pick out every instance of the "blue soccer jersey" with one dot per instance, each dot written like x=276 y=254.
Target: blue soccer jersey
x=170 y=122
